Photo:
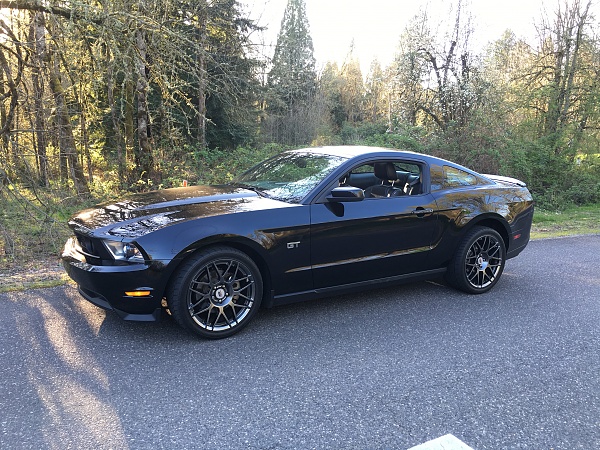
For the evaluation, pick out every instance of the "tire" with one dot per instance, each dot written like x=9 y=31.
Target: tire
x=478 y=262
x=216 y=292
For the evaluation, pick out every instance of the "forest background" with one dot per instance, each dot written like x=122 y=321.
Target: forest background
x=98 y=97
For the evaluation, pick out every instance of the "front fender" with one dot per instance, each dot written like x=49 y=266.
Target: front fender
x=266 y=236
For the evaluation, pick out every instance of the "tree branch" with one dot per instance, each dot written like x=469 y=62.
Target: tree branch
x=37 y=6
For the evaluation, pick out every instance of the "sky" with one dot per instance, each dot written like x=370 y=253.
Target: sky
x=376 y=25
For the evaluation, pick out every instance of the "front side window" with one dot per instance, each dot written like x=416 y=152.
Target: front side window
x=401 y=167
x=386 y=178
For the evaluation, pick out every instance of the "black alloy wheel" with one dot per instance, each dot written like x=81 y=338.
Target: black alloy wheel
x=478 y=262
x=216 y=293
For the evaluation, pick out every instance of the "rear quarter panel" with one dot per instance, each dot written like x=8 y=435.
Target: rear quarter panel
x=507 y=209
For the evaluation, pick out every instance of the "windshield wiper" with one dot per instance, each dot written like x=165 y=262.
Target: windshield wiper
x=252 y=188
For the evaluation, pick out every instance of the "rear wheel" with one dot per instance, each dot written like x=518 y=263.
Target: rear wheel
x=478 y=262
x=216 y=293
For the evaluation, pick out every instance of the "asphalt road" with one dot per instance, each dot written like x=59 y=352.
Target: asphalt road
x=516 y=368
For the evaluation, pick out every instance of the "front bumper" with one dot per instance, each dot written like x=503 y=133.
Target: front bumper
x=105 y=286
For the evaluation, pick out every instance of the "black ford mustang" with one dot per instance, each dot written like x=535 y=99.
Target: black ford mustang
x=302 y=224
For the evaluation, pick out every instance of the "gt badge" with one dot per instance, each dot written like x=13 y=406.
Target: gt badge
x=291 y=245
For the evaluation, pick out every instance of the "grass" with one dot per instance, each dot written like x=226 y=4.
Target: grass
x=571 y=221
x=12 y=286
x=33 y=225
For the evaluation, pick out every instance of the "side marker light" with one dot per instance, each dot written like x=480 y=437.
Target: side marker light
x=137 y=293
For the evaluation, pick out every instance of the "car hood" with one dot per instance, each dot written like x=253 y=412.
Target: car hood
x=140 y=214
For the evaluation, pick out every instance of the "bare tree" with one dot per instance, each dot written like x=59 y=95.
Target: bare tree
x=562 y=61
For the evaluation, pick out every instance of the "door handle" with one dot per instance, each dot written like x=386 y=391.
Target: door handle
x=421 y=211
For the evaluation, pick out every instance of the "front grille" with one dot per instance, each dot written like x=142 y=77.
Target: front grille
x=87 y=245
x=92 y=249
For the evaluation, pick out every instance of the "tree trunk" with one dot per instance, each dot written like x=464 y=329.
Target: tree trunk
x=3 y=120
x=143 y=156
x=129 y=123
x=201 y=55
x=202 y=105
x=12 y=93
x=86 y=144
x=118 y=136
x=37 y=36
x=66 y=139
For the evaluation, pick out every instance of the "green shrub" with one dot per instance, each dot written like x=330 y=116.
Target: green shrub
x=582 y=185
x=377 y=135
x=556 y=180
x=216 y=166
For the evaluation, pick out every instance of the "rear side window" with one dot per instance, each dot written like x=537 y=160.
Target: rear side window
x=454 y=178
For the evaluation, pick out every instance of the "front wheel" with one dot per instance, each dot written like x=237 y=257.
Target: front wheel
x=216 y=292
x=478 y=262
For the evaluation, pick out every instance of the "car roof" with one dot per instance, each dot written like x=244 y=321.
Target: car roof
x=348 y=151
x=352 y=151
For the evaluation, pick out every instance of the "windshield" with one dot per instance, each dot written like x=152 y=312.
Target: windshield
x=289 y=176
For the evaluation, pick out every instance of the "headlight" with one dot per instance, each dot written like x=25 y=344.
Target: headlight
x=124 y=251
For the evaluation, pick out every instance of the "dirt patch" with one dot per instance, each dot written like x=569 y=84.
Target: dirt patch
x=42 y=273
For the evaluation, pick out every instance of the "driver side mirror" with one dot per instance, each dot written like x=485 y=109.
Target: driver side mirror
x=346 y=194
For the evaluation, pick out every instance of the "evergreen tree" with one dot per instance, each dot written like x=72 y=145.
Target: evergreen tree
x=291 y=116
x=292 y=77
x=375 y=93
x=353 y=89
x=331 y=85
x=408 y=71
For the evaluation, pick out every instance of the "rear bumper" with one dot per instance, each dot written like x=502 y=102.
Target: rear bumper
x=106 y=286
x=520 y=233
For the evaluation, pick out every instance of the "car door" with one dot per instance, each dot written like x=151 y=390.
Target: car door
x=374 y=238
